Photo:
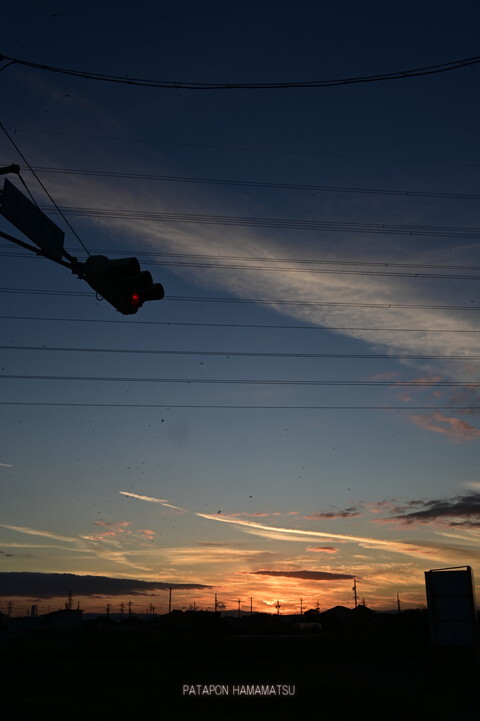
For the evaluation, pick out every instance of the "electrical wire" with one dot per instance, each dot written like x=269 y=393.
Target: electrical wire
x=238 y=325
x=227 y=406
x=244 y=354
x=187 y=85
x=253 y=301
x=320 y=261
x=147 y=255
x=244 y=149
x=247 y=381
x=259 y=184
x=2 y=127
x=281 y=223
x=274 y=269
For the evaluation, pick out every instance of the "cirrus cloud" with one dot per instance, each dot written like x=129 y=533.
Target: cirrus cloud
x=449 y=426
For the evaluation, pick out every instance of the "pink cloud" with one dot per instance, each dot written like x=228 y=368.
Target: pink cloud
x=449 y=426
x=379 y=506
x=322 y=549
x=386 y=376
x=422 y=379
x=146 y=531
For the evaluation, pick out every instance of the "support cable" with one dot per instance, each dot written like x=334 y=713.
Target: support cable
x=66 y=254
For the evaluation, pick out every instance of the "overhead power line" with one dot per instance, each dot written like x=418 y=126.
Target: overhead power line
x=256 y=301
x=243 y=354
x=287 y=269
x=258 y=184
x=247 y=381
x=148 y=254
x=238 y=325
x=188 y=85
x=281 y=223
x=244 y=149
x=226 y=406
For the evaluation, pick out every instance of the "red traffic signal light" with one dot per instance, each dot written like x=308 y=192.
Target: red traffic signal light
x=121 y=282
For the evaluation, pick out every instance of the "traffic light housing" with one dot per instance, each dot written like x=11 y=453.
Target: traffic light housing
x=121 y=282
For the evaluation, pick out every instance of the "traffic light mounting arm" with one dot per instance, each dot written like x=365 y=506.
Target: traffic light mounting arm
x=121 y=281
x=71 y=265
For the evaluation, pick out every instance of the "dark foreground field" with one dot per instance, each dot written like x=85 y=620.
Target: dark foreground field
x=337 y=677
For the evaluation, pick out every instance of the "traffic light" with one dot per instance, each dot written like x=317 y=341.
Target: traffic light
x=121 y=282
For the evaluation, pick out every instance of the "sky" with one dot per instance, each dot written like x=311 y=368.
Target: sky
x=302 y=408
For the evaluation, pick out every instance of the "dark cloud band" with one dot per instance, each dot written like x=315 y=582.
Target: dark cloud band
x=307 y=575
x=53 y=585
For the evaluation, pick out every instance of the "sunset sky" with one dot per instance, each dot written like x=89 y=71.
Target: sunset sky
x=302 y=408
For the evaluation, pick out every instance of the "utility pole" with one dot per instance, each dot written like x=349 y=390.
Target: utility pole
x=278 y=606
x=355 y=592
x=239 y=611
x=69 y=603
x=251 y=606
x=398 y=604
x=122 y=608
x=170 y=600
x=301 y=607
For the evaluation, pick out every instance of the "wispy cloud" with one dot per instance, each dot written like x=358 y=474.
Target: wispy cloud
x=36 y=532
x=82 y=544
x=449 y=426
x=6 y=465
x=409 y=548
x=162 y=501
x=260 y=514
x=119 y=530
x=368 y=307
